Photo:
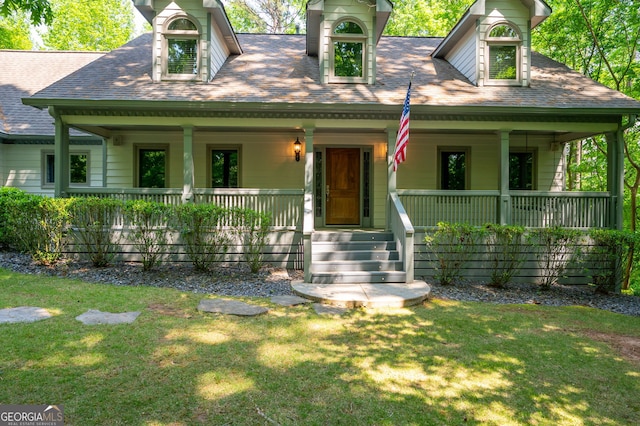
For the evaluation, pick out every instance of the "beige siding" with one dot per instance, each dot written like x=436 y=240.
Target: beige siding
x=465 y=57
x=335 y=10
x=165 y=10
x=515 y=13
x=24 y=166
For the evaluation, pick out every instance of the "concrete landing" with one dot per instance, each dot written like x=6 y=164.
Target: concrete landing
x=367 y=295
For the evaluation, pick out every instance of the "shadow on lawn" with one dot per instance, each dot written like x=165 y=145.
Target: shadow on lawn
x=445 y=364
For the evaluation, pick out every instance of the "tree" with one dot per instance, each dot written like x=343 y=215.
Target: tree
x=39 y=10
x=87 y=25
x=430 y=18
x=267 y=16
x=14 y=31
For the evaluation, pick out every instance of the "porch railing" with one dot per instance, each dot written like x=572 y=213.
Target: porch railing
x=526 y=208
x=566 y=209
x=284 y=205
x=403 y=233
x=426 y=208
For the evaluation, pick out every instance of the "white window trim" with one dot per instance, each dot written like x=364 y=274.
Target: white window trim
x=354 y=38
x=45 y=184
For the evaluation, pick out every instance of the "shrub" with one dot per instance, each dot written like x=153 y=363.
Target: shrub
x=553 y=248
x=608 y=257
x=8 y=196
x=148 y=229
x=199 y=225
x=252 y=228
x=506 y=250
x=38 y=225
x=452 y=245
x=93 y=220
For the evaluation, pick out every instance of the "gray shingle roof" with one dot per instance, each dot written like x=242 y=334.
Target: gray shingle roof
x=23 y=73
x=275 y=69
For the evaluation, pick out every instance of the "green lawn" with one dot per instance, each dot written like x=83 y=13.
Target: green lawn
x=443 y=363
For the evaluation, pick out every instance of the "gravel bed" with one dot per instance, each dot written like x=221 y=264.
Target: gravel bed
x=237 y=280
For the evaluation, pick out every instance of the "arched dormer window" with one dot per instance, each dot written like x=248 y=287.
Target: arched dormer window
x=504 y=54
x=348 y=59
x=181 y=51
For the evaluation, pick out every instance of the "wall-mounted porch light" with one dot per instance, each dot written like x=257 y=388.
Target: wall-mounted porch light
x=297 y=147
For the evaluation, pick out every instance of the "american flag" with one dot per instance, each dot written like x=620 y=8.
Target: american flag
x=400 y=153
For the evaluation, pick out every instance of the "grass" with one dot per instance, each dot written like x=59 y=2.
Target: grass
x=443 y=363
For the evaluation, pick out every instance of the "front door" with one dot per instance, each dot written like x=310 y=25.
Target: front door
x=343 y=186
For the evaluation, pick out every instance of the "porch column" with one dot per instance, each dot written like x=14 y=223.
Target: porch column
x=187 y=158
x=391 y=175
x=308 y=214
x=61 y=157
x=615 y=178
x=504 y=205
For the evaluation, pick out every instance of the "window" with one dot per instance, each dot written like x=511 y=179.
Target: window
x=224 y=168
x=521 y=167
x=78 y=169
x=181 y=38
x=349 y=46
x=453 y=169
x=503 y=45
x=152 y=167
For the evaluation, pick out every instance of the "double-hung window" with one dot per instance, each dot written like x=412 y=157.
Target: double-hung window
x=152 y=166
x=225 y=163
x=181 y=49
x=504 y=56
x=521 y=170
x=348 y=56
x=454 y=168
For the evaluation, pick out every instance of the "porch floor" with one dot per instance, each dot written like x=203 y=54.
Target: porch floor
x=368 y=295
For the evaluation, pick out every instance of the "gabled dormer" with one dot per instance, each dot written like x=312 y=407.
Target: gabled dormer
x=191 y=38
x=491 y=44
x=343 y=34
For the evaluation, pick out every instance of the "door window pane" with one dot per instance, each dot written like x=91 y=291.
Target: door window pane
x=224 y=168
x=521 y=170
x=453 y=170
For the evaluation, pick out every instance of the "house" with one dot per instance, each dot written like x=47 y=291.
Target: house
x=304 y=126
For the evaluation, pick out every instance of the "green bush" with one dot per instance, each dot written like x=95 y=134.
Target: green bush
x=252 y=229
x=506 y=250
x=148 y=226
x=453 y=245
x=93 y=220
x=206 y=241
x=37 y=225
x=9 y=195
x=554 y=248
x=608 y=257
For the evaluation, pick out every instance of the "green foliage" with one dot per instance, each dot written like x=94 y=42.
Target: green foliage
x=431 y=18
x=89 y=26
x=266 y=16
x=554 y=248
x=252 y=228
x=8 y=197
x=93 y=220
x=14 y=32
x=37 y=225
x=148 y=222
x=506 y=249
x=608 y=257
x=39 y=10
x=206 y=242
x=453 y=245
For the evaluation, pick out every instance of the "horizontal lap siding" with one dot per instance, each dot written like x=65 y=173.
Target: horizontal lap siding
x=284 y=249
x=464 y=56
x=479 y=267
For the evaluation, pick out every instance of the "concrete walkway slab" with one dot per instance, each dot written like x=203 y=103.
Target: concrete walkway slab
x=390 y=295
x=322 y=309
x=230 y=307
x=95 y=317
x=287 y=300
x=23 y=314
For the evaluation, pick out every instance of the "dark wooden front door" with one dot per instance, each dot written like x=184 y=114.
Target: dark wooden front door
x=343 y=186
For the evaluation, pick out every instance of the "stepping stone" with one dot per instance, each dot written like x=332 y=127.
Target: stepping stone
x=289 y=300
x=322 y=309
x=230 y=307
x=94 y=317
x=23 y=314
